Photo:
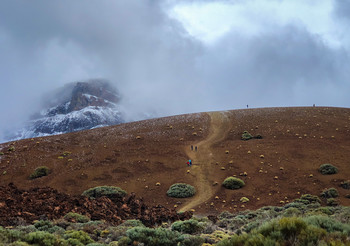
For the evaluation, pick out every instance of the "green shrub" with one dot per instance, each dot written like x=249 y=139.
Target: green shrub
x=246 y=136
x=310 y=198
x=233 y=183
x=189 y=240
x=330 y=193
x=108 y=191
x=78 y=236
x=131 y=223
x=332 y=202
x=190 y=226
x=345 y=184
x=154 y=237
x=75 y=217
x=40 y=172
x=327 y=169
x=1 y=153
x=7 y=235
x=181 y=190
x=46 y=225
x=42 y=238
x=327 y=223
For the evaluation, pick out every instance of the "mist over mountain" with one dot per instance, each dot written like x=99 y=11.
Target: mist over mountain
x=74 y=107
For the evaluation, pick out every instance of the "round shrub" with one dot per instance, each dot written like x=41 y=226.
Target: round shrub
x=330 y=193
x=327 y=169
x=108 y=191
x=190 y=226
x=40 y=172
x=75 y=217
x=181 y=190
x=233 y=183
x=246 y=136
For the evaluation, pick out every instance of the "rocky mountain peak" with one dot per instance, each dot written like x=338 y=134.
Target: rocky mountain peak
x=76 y=106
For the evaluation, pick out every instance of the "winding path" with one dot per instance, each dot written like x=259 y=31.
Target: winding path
x=203 y=158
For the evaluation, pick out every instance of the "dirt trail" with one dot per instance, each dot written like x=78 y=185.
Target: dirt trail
x=203 y=158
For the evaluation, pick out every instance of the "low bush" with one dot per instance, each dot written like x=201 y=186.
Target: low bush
x=345 y=184
x=189 y=240
x=330 y=193
x=246 y=136
x=154 y=237
x=328 y=169
x=48 y=226
x=75 y=217
x=190 y=226
x=332 y=202
x=42 y=238
x=40 y=172
x=108 y=191
x=233 y=183
x=132 y=223
x=327 y=223
x=181 y=190
x=78 y=237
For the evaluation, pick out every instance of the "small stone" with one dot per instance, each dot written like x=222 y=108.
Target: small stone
x=226 y=152
x=157 y=184
x=222 y=168
x=216 y=198
x=138 y=137
x=276 y=177
x=311 y=175
x=262 y=156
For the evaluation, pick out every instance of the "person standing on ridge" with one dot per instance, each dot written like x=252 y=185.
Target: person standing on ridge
x=190 y=162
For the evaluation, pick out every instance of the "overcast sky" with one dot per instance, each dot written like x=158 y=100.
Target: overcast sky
x=171 y=57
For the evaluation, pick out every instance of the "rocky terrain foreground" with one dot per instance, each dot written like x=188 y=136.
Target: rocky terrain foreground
x=26 y=206
x=147 y=157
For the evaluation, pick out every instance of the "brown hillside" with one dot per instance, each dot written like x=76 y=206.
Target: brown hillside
x=135 y=156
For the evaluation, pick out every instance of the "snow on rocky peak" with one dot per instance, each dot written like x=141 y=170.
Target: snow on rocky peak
x=78 y=106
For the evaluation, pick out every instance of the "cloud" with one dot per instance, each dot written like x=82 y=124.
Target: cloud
x=265 y=53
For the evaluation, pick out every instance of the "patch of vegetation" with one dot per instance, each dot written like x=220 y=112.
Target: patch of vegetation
x=332 y=202
x=40 y=172
x=330 y=193
x=181 y=190
x=75 y=217
x=153 y=237
x=246 y=136
x=12 y=148
x=233 y=183
x=345 y=184
x=108 y=191
x=190 y=226
x=328 y=169
x=1 y=153
x=78 y=238
x=301 y=222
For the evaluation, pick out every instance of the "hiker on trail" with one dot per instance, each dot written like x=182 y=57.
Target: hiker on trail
x=247 y=105
x=191 y=147
x=190 y=162
x=196 y=148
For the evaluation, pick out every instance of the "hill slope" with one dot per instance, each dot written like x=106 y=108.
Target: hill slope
x=135 y=156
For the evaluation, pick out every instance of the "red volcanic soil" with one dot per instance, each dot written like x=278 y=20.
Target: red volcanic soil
x=135 y=156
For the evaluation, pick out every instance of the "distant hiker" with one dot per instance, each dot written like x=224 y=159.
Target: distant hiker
x=195 y=148
x=314 y=105
x=247 y=105
x=191 y=147
x=190 y=162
